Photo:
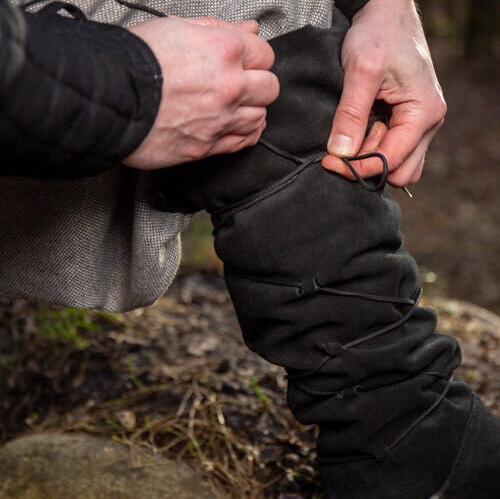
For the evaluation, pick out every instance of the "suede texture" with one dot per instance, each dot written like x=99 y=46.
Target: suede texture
x=322 y=285
x=475 y=473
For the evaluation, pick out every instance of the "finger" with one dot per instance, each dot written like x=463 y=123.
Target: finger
x=374 y=137
x=418 y=173
x=257 y=53
x=246 y=121
x=260 y=88
x=408 y=126
x=249 y=26
x=361 y=86
x=370 y=144
x=411 y=169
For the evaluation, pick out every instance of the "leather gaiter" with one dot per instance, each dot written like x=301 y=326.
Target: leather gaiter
x=322 y=286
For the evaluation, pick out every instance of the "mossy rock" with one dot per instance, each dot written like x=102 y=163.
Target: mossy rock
x=80 y=466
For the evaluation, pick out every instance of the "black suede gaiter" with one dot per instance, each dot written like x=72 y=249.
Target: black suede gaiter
x=322 y=286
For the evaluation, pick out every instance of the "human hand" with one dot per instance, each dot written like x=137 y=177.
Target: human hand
x=385 y=56
x=216 y=86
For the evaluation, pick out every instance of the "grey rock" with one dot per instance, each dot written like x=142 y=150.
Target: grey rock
x=80 y=466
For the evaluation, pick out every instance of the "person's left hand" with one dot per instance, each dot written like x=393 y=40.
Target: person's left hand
x=385 y=56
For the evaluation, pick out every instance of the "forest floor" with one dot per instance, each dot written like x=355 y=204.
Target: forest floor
x=176 y=378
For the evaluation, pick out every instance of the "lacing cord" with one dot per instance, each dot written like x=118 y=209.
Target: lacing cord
x=228 y=211
x=222 y=215
x=304 y=290
x=339 y=393
x=386 y=450
x=307 y=289
x=383 y=177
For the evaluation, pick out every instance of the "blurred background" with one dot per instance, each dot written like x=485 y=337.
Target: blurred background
x=452 y=225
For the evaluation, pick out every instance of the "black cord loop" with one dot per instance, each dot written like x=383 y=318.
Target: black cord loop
x=383 y=177
x=222 y=215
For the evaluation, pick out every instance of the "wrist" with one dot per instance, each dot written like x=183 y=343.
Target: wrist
x=389 y=7
x=350 y=7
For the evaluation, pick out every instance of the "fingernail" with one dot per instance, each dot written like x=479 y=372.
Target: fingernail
x=341 y=145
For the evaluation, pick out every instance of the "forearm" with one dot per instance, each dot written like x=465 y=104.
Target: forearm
x=76 y=97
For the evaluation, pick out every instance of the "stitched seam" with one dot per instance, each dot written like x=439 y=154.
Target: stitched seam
x=362 y=387
x=132 y=124
x=222 y=215
x=141 y=64
x=249 y=277
x=47 y=143
x=72 y=88
x=458 y=460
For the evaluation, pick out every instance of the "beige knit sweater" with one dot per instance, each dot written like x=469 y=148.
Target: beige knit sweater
x=98 y=242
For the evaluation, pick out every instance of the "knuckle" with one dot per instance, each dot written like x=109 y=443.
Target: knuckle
x=236 y=145
x=231 y=90
x=253 y=24
x=368 y=67
x=351 y=113
x=257 y=135
x=441 y=109
x=228 y=46
x=435 y=111
x=198 y=150
x=223 y=45
x=272 y=56
x=257 y=117
x=275 y=85
x=262 y=116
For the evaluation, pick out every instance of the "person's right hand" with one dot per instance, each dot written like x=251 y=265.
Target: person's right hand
x=216 y=86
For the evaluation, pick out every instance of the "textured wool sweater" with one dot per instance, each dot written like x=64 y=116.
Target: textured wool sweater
x=77 y=228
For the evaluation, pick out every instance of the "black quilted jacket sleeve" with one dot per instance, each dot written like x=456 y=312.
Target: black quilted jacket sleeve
x=76 y=96
x=350 y=7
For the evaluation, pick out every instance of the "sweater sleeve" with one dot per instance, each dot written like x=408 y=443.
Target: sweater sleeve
x=350 y=7
x=76 y=96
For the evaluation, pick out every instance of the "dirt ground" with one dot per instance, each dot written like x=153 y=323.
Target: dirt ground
x=177 y=379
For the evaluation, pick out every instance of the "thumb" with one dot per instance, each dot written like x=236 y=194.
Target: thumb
x=351 y=118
